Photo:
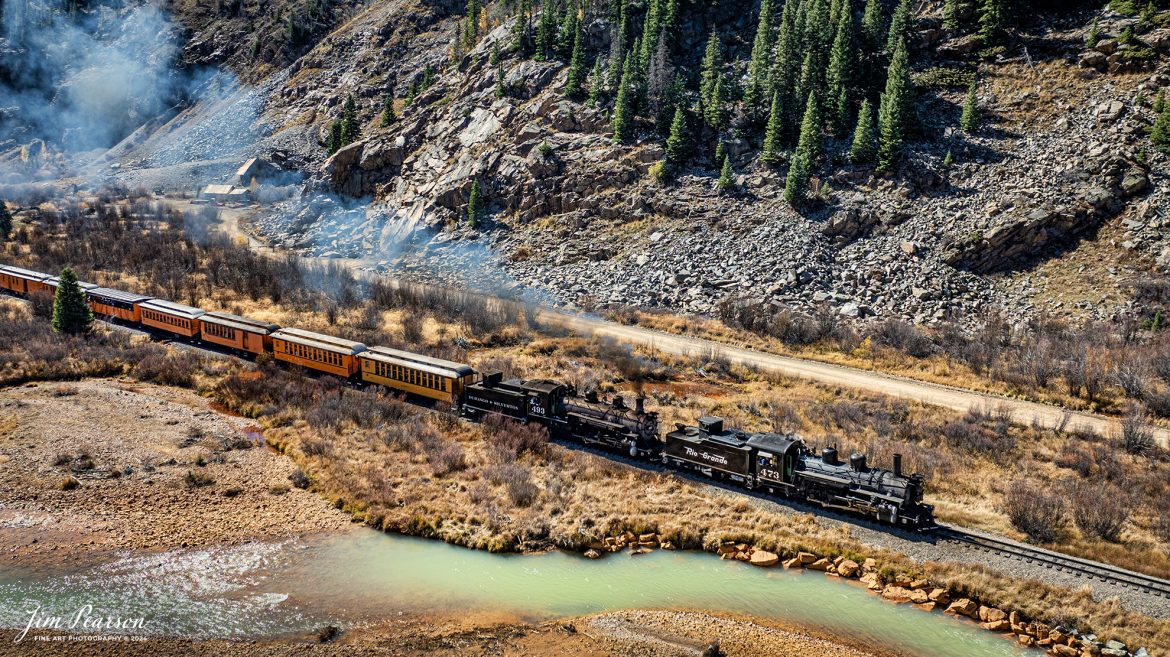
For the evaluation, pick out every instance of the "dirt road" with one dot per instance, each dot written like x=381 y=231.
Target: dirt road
x=894 y=386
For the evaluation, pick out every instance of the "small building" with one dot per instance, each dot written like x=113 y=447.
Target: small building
x=216 y=193
x=254 y=170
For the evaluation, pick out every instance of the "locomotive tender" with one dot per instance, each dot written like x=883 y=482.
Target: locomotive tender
x=773 y=463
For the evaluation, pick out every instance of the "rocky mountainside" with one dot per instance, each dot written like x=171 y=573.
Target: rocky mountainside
x=1062 y=158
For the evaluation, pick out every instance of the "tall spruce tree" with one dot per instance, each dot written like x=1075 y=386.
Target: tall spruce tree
x=785 y=72
x=715 y=113
x=519 y=36
x=760 y=64
x=388 y=115
x=335 y=137
x=573 y=86
x=617 y=45
x=71 y=313
x=650 y=27
x=892 y=110
x=567 y=36
x=726 y=175
x=872 y=24
x=899 y=26
x=810 y=131
x=546 y=29
x=773 y=134
x=596 y=82
x=474 y=204
x=970 y=119
x=1160 y=135
x=5 y=221
x=711 y=69
x=992 y=18
x=842 y=71
x=796 y=186
x=678 y=144
x=951 y=14
x=864 y=146
x=623 y=110
x=351 y=130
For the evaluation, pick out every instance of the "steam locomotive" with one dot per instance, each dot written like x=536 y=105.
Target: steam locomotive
x=773 y=463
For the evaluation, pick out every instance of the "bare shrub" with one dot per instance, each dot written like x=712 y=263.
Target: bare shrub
x=508 y=440
x=1099 y=510
x=195 y=479
x=900 y=335
x=1038 y=514
x=168 y=368
x=315 y=447
x=1136 y=435
x=448 y=460
x=41 y=304
x=299 y=479
x=479 y=493
x=1133 y=375
x=412 y=327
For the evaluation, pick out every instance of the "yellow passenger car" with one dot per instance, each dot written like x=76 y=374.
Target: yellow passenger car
x=316 y=351
x=418 y=375
x=171 y=317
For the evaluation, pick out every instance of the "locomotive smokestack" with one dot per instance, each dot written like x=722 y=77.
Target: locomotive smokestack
x=640 y=405
x=898 y=465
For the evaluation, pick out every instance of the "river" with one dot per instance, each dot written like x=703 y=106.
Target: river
x=273 y=590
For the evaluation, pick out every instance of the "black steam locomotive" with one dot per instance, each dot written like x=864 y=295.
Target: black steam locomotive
x=784 y=465
x=590 y=420
x=774 y=463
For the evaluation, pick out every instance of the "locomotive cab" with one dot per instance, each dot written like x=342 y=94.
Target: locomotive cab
x=776 y=460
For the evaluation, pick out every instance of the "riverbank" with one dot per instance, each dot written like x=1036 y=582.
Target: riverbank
x=96 y=466
x=621 y=633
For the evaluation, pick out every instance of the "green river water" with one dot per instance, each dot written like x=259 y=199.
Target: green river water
x=271 y=590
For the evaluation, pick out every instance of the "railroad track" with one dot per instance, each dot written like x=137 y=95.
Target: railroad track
x=1061 y=562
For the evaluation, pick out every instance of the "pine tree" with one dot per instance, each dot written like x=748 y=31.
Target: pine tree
x=786 y=68
x=892 y=110
x=335 y=137
x=761 y=62
x=842 y=71
x=774 y=134
x=519 y=37
x=871 y=25
x=388 y=115
x=796 y=187
x=669 y=21
x=351 y=130
x=810 y=131
x=864 y=136
x=970 y=119
x=720 y=151
x=650 y=26
x=899 y=26
x=949 y=159
x=1160 y=101
x=474 y=204
x=678 y=144
x=71 y=313
x=1094 y=34
x=5 y=221
x=471 y=30
x=1161 y=132
x=623 y=117
x=992 y=17
x=545 y=32
x=596 y=82
x=573 y=86
x=617 y=46
x=715 y=112
x=711 y=69
x=567 y=38
x=726 y=176
x=951 y=14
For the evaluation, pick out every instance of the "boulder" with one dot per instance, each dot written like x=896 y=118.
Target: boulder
x=940 y=596
x=964 y=607
x=726 y=548
x=820 y=564
x=919 y=597
x=806 y=557
x=764 y=559
x=896 y=594
x=1093 y=59
x=794 y=562
x=847 y=568
x=592 y=554
x=997 y=626
x=1061 y=650
x=872 y=581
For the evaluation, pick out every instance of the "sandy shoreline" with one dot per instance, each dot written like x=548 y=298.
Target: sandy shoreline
x=150 y=468
x=620 y=633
